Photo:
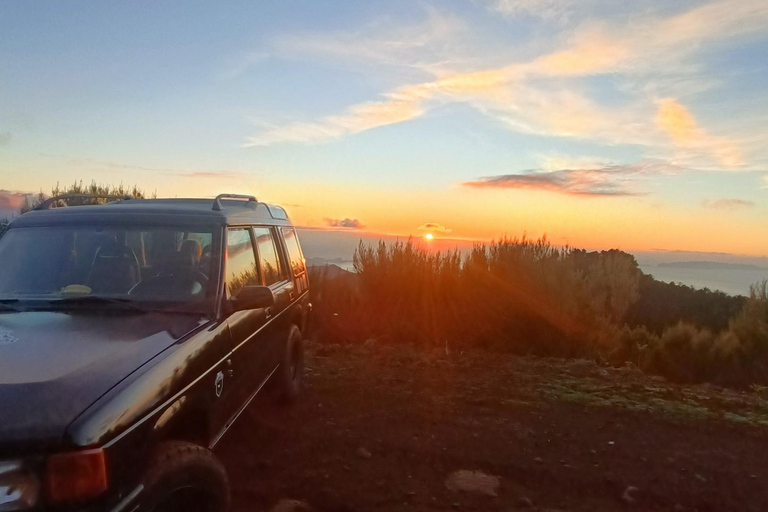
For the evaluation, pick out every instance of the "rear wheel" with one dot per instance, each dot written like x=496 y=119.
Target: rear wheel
x=291 y=368
x=185 y=477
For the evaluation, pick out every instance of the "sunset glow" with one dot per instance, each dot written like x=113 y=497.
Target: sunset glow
x=638 y=125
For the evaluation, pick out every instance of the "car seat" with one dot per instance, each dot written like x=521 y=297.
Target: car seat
x=115 y=269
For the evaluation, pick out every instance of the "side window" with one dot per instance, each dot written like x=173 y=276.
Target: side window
x=294 y=251
x=241 y=261
x=269 y=260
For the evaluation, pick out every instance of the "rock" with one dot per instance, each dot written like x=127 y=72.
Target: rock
x=286 y=505
x=524 y=502
x=363 y=453
x=473 y=481
x=538 y=460
x=629 y=495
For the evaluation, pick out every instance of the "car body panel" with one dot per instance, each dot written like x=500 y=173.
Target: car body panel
x=62 y=362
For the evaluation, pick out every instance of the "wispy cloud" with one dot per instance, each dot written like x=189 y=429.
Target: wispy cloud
x=435 y=227
x=346 y=223
x=610 y=180
x=543 y=95
x=396 y=107
x=686 y=134
x=540 y=8
x=384 y=42
x=728 y=204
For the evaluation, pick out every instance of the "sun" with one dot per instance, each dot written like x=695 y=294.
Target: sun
x=429 y=236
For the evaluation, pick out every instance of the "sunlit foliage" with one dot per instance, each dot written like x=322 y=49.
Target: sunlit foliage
x=78 y=188
x=530 y=297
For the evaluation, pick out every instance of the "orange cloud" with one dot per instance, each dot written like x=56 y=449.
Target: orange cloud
x=609 y=180
x=433 y=226
x=679 y=124
x=398 y=106
x=346 y=223
x=591 y=53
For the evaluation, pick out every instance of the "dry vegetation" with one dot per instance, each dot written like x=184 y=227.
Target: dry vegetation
x=526 y=296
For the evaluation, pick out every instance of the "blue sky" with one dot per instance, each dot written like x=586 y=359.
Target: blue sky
x=603 y=124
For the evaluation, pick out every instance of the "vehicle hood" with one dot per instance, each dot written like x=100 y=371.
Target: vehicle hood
x=53 y=365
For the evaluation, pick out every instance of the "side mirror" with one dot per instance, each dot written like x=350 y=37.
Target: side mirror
x=253 y=297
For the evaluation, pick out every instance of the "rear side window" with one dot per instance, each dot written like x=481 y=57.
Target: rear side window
x=269 y=260
x=241 y=261
x=294 y=251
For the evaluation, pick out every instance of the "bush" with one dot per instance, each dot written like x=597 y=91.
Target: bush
x=515 y=294
x=525 y=296
x=737 y=356
x=77 y=188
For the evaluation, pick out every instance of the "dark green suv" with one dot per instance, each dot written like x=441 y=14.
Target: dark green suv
x=132 y=336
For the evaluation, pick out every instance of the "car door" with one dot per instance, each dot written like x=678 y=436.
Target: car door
x=272 y=264
x=251 y=353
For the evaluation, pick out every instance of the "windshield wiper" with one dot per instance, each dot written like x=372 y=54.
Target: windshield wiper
x=96 y=299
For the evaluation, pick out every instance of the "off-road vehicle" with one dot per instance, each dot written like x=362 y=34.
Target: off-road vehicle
x=132 y=335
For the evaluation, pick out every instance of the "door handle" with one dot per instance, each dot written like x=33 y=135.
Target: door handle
x=291 y=296
x=268 y=313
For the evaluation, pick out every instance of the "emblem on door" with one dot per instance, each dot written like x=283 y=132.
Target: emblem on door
x=219 y=383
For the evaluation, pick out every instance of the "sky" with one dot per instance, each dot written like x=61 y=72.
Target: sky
x=633 y=125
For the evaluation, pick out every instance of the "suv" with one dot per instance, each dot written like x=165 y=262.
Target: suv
x=132 y=335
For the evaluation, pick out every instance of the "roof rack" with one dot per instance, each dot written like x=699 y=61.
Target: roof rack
x=45 y=205
x=217 y=206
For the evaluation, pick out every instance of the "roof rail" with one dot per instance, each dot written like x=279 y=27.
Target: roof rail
x=48 y=202
x=217 y=206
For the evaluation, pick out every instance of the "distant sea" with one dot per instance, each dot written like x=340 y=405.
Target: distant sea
x=732 y=281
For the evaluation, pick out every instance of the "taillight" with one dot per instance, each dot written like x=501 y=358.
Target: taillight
x=75 y=477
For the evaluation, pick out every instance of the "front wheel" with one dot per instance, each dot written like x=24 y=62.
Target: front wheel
x=185 y=477
x=291 y=367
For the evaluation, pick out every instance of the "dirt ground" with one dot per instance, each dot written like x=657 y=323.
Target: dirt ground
x=383 y=428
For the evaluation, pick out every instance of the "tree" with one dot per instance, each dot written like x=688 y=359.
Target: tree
x=77 y=188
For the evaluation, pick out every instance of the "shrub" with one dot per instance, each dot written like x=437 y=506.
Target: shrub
x=514 y=294
x=526 y=296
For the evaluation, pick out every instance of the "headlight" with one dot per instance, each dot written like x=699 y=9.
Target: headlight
x=19 y=487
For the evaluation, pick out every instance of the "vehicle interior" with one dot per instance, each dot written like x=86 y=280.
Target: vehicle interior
x=146 y=263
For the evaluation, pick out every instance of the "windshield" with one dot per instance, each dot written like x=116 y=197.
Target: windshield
x=152 y=266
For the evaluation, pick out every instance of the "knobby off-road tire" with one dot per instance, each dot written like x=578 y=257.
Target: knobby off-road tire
x=185 y=477
x=291 y=370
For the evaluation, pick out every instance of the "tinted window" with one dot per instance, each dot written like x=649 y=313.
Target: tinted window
x=269 y=260
x=294 y=251
x=137 y=263
x=241 y=262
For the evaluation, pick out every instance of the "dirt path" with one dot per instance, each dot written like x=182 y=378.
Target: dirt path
x=382 y=429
